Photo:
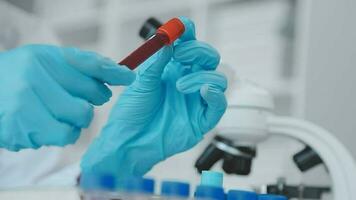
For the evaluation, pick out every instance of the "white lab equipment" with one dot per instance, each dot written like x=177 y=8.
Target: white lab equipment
x=249 y=121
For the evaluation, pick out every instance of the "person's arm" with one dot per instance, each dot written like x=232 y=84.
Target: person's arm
x=47 y=93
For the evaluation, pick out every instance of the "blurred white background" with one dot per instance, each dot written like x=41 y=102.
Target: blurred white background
x=303 y=51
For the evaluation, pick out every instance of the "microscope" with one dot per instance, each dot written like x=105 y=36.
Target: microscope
x=249 y=121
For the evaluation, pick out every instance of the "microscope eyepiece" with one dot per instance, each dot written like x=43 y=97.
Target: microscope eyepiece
x=306 y=159
x=239 y=163
x=208 y=158
x=236 y=159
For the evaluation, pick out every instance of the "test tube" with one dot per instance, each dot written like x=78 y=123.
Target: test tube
x=165 y=35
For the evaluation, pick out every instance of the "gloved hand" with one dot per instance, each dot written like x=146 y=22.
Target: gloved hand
x=177 y=98
x=47 y=92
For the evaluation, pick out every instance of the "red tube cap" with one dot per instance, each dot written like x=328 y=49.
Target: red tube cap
x=174 y=28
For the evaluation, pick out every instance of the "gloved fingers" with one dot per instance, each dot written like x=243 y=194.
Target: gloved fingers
x=189 y=32
x=91 y=90
x=99 y=67
x=196 y=53
x=56 y=133
x=193 y=82
x=216 y=106
x=30 y=125
x=63 y=135
x=44 y=129
x=80 y=85
x=71 y=79
x=150 y=72
x=58 y=101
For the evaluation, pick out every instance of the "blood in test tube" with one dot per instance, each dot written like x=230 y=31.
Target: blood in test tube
x=165 y=35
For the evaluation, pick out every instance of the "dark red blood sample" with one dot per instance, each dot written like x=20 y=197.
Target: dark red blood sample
x=165 y=35
x=145 y=51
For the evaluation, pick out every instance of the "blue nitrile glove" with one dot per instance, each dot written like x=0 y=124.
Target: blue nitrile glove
x=47 y=92
x=177 y=98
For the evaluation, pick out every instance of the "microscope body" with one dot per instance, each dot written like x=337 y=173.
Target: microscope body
x=249 y=120
x=245 y=121
x=243 y=126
